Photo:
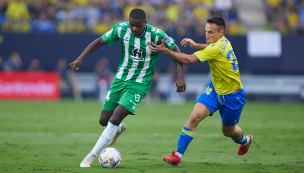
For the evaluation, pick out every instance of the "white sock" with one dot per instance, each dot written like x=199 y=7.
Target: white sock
x=106 y=136
x=91 y=156
x=179 y=155
x=119 y=128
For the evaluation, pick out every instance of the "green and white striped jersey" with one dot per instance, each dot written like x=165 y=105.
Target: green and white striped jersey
x=137 y=63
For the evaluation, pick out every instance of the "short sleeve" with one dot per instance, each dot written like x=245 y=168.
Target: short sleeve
x=111 y=36
x=168 y=41
x=209 y=53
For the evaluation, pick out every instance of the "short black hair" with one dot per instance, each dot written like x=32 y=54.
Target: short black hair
x=219 y=21
x=138 y=14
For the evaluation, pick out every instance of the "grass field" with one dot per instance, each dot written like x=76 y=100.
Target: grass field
x=55 y=137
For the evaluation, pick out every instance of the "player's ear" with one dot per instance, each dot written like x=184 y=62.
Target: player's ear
x=222 y=32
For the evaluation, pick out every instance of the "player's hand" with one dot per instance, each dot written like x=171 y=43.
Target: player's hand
x=187 y=41
x=75 y=64
x=180 y=85
x=158 y=48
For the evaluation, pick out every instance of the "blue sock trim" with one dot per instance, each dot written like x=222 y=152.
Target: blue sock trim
x=185 y=128
x=241 y=141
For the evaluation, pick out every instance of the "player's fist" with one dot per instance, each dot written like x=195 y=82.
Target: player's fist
x=187 y=41
x=75 y=64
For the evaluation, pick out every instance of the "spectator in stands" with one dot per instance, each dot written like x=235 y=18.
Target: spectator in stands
x=43 y=25
x=92 y=14
x=301 y=16
x=103 y=77
x=293 y=20
x=235 y=28
x=80 y=16
x=14 y=62
x=35 y=66
x=17 y=18
x=68 y=81
x=223 y=6
x=17 y=10
x=3 y=7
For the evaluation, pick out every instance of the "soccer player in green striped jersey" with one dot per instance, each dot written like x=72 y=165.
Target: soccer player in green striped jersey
x=133 y=77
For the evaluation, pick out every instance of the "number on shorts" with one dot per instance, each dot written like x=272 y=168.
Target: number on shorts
x=108 y=95
x=137 y=97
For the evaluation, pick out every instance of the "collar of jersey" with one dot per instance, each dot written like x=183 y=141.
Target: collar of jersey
x=143 y=32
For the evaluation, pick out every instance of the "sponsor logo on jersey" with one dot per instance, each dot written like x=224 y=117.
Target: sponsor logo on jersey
x=168 y=40
x=212 y=45
x=137 y=55
x=109 y=32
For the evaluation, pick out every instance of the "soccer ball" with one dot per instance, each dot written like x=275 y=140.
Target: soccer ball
x=109 y=158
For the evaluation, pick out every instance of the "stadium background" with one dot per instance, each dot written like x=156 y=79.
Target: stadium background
x=38 y=37
x=42 y=32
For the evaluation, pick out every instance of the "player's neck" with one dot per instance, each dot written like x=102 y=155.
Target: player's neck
x=144 y=32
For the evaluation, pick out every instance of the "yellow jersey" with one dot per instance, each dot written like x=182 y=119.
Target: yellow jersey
x=223 y=66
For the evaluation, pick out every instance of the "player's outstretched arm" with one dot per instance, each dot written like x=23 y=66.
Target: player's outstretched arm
x=177 y=56
x=180 y=81
x=189 y=42
x=92 y=47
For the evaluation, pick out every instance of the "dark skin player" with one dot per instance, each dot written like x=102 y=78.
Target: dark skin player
x=116 y=116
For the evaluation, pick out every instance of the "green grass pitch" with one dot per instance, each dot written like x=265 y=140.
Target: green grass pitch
x=55 y=137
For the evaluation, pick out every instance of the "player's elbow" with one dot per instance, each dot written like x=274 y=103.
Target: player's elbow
x=188 y=60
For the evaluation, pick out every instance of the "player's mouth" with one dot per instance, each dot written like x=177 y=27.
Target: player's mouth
x=207 y=40
x=135 y=33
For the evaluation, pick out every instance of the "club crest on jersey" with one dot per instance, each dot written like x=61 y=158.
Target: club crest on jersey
x=168 y=40
x=109 y=32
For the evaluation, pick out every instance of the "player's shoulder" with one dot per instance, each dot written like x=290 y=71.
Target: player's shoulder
x=123 y=24
x=156 y=31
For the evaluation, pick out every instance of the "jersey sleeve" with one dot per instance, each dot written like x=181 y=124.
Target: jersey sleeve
x=111 y=36
x=209 y=53
x=168 y=41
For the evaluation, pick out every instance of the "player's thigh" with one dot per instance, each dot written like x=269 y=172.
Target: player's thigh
x=113 y=96
x=230 y=117
x=209 y=99
x=199 y=112
x=130 y=100
x=232 y=108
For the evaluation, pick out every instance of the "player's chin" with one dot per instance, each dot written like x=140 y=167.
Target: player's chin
x=134 y=34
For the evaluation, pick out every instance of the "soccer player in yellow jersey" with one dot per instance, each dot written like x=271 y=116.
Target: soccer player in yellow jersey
x=224 y=93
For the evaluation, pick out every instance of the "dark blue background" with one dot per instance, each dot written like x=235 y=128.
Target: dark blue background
x=50 y=48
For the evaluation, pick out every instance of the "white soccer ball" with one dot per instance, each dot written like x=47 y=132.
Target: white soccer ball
x=109 y=158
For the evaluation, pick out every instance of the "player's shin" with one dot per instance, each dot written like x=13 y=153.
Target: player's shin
x=184 y=140
x=106 y=136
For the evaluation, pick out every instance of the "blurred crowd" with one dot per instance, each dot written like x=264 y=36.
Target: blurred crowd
x=184 y=17
x=285 y=16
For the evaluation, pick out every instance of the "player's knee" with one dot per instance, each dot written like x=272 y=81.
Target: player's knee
x=194 y=120
x=103 y=122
